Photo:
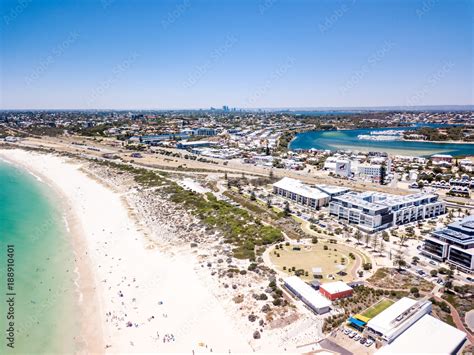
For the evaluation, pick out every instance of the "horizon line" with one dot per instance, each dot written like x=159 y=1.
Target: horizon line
x=282 y=108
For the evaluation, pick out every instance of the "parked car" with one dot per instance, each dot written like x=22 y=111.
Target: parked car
x=433 y=263
x=357 y=337
x=347 y=331
x=353 y=334
x=363 y=340
x=369 y=342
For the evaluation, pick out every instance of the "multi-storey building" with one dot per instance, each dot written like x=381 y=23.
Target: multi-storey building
x=300 y=193
x=372 y=172
x=453 y=244
x=374 y=211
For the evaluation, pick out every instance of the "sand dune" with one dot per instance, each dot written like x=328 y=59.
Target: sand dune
x=135 y=299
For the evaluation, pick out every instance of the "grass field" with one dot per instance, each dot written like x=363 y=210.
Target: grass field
x=313 y=256
x=377 y=308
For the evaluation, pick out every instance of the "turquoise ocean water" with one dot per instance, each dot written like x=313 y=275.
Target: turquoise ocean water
x=46 y=301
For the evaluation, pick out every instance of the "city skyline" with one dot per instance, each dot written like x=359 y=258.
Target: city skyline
x=112 y=54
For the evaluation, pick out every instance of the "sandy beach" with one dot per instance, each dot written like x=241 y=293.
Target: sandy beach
x=135 y=297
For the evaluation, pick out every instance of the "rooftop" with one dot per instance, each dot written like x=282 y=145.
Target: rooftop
x=335 y=287
x=300 y=188
x=427 y=336
x=384 y=321
x=460 y=232
x=377 y=200
x=331 y=190
x=309 y=294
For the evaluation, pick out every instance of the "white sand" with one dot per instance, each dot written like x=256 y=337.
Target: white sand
x=120 y=263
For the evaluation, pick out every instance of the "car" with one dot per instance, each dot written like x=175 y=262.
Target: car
x=357 y=337
x=363 y=340
x=347 y=331
x=433 y=263
x=353 y=334
x=469 y=278
x=369 y=342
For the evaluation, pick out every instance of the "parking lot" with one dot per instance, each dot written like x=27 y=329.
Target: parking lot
x=353 y=341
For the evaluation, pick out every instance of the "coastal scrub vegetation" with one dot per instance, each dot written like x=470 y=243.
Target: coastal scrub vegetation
x=240 y=229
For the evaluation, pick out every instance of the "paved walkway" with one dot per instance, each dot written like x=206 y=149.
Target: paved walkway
x=306 y=227
x=457 y=319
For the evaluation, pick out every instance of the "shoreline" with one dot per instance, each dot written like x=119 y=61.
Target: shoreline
x=91 y=340
x=123 y=292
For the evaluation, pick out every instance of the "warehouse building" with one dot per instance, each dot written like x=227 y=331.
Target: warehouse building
x=307 y=294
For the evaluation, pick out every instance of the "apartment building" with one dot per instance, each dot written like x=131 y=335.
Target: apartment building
x=374 y=211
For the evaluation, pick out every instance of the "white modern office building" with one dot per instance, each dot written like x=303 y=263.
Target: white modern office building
x=453 y=244
x=374 y=211
x=300 y=193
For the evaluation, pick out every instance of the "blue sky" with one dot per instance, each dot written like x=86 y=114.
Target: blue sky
x=261 y=53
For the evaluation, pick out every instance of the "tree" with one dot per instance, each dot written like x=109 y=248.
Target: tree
x=286 y=209
x=367 y=240
x=403 y=239
x=434 y=273
x=375 y=239
x=382 y=247
x=399 y=259
x=415 y=260
x=270 y=175
x=314 y=240
x=385 y=236
x=225 y=176
x=358 y=236
x=269 y=202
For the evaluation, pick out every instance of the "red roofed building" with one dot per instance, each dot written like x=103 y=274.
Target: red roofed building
x=335 y=290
